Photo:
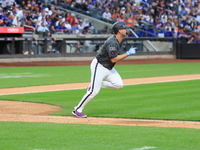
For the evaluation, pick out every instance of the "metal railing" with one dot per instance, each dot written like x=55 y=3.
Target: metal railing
x=52 y=47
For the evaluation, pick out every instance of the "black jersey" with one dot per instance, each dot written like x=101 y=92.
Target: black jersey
x=110 y=49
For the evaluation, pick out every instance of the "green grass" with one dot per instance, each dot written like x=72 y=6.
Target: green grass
x=170 y=101
x=32 y=76
x=51 y=136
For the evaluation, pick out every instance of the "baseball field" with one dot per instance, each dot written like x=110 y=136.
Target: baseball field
x=158 y=108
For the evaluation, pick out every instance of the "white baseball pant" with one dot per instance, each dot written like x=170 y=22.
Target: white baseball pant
x=100 y=77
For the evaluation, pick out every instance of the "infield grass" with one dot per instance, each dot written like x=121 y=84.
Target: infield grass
x=170 y=101
x=52 y=136
x=32 y=76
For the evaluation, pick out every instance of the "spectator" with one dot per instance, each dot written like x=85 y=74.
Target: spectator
x=10 y=18
x=33 y=2
x=91 y=5
x=29 y=4
x=184 y=35
x=104 y=30
x=197 y=40
x=42 y=18
x=23 y=4
x=57 y=14
x=174 y=14
x=59 y=21
x=43 y=28
x=164 y=17
x=121 y=18
x=53 y=18
x=160 y=32
x=137 y=32
x=61 y=27
x=101 y=2
x=72 y=20
x=5 y=22
x=198 y=18
x=20 y=17
x=195 y=28
x=52 y=29
x=144 y=22
x=84 y=6
x=97 y=12
x=106 y=15
x=121 y=4
x=52 y=10
x=75 y=29
x=85 y=23
x=49 y=20
x=80 y=26
x=158 y=23
x=123 y=10
x=77 y=4
x=68 y=26
x=78 y=19
x=29 y=26
x=131 y=21
x=91 y=27
x=183 y=12
x=114 y=15
x=168 y=33
x=150 y=32
x=134 y=10
x=116 y=3
x=168 y=26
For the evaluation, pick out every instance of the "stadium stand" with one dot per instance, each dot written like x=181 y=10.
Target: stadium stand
x=148 y=18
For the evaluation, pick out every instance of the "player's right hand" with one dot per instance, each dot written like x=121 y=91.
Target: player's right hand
x=131 y=51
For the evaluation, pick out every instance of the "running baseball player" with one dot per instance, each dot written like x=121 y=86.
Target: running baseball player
x=103 y=73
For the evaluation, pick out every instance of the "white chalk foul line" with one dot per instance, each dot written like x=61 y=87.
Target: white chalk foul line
x=143 y=148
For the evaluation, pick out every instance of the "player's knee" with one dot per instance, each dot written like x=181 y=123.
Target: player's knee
x=94 y=93
x=119 y=86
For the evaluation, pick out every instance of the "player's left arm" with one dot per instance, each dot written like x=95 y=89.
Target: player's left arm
x=118 y=58
x=131 y=51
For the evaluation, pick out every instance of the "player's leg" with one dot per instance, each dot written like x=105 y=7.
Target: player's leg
x=113 y=80
x=98 y=73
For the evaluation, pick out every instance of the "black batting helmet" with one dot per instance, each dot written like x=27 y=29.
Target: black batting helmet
x=119 y=25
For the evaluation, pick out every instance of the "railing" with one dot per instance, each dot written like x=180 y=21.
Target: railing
x=53 y=47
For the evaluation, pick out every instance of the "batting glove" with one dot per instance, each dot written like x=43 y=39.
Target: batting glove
x=131 y=51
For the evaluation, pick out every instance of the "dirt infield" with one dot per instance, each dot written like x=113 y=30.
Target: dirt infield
x=34 y=112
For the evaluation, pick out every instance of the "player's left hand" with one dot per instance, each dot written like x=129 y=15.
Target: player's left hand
x=131 y=51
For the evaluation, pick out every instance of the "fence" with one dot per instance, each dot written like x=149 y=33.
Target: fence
x=53 y=47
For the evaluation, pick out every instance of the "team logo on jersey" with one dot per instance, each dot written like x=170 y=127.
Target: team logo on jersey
x=113 y=52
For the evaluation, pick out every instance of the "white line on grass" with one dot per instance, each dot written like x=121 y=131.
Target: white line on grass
x=143 y=148
x=22 y=75
x=146 y=70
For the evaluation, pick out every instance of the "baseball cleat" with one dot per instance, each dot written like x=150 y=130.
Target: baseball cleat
x=79 y=114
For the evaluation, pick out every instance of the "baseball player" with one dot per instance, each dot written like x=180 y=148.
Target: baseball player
x=103 y=73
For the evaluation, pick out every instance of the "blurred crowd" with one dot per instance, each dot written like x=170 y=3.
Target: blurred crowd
x=148 y=18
